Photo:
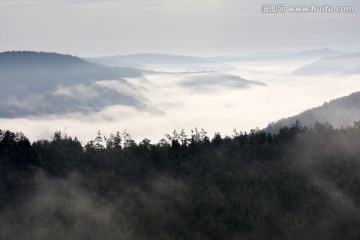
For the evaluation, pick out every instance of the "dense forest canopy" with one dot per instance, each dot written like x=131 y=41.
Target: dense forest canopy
x=302 y=183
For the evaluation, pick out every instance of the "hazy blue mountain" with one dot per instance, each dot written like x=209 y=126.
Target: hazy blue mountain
x=312 y=54
x=338 y=112
x=180 y=63
x=151 y=58
x=114 y=61
x=35 y=83
x=163 y=63
x=252 y=57
x=217 y=80
x=344 y=64
x=284 y=56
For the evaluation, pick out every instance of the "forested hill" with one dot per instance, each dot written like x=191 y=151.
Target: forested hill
x=38 y=83
x=338 y=112
x=55 y=65
x=298 y=184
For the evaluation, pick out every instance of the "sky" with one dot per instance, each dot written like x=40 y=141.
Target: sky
x=186 y=27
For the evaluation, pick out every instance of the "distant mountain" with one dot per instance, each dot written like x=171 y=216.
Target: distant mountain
x=347 y=64
x=114 y=61
x=339 y=112
x=180 y=63
x=162 y=62
x=208 y=81
x=282 y=56
x=37 y=83
x=312 y=54
x=151 y=58
x=252 y=57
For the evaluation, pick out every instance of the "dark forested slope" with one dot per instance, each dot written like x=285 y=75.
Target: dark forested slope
x=298 y=184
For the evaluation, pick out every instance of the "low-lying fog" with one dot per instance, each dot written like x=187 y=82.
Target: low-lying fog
x=242 y=95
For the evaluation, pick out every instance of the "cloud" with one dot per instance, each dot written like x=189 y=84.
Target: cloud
x=79 y=91
x=123 y=87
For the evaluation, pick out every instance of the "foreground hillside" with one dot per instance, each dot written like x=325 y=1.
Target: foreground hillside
x=297 y=184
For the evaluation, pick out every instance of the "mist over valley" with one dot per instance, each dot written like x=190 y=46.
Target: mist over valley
x=48 y=92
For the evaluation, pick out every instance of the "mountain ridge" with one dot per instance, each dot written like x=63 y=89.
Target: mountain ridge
x=38 y=83
x=339 y=112
x=345 y=64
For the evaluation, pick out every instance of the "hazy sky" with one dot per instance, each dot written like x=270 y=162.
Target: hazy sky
x=189 y=27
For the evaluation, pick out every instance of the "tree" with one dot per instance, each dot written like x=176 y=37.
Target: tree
x=114 y=141
x=128 y=141
x=98 y=142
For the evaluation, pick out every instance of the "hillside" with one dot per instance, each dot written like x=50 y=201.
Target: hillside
x=339 y=112
x=36 y=83
x=347 y=64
